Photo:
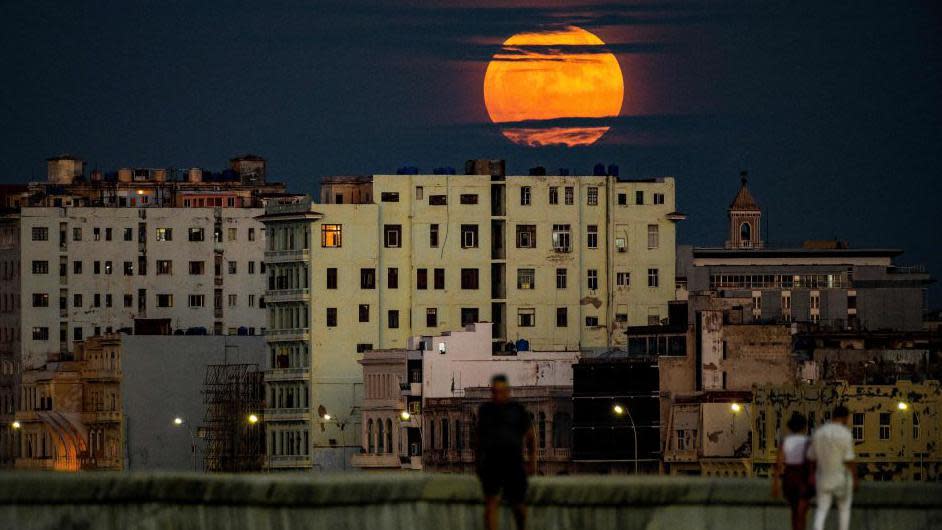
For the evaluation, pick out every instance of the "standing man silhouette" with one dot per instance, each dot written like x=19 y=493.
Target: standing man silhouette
x=504 y=429
x=832 y=452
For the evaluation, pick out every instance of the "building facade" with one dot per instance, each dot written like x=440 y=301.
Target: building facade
x=555 y=262
x=896 y=428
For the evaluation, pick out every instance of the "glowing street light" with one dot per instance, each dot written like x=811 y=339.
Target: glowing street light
x=253 y=419
x=736 y=408
x=178 y=421
x=405 y=415
x=326 y=417
x=618 y=409
x=16 y=425
x=902 y=405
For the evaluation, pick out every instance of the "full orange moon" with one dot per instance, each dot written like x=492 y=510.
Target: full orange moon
x=534 y=78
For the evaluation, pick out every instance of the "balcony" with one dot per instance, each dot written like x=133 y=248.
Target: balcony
x=553 y=454
x=288 y=295
x=283 y=256
x=289 y=461
x=383 y=461
x=293 y=334
x=298 y=414
x=288 y=374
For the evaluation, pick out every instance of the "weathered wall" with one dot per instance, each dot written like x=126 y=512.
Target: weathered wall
x=106 y=501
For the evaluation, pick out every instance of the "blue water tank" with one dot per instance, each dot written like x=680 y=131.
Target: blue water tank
x=523 y=345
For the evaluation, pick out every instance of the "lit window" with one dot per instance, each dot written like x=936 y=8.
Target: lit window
x=331 y=236
x=165 y=234
x=526 y=278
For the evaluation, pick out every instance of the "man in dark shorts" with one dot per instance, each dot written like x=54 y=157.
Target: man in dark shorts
x=504 y=428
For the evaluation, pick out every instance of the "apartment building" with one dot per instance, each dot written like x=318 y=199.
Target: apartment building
x=554 y=262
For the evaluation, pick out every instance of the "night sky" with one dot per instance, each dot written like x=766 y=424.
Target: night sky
x=833 y=107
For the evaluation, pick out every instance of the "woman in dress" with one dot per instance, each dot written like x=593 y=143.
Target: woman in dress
x=792 y=474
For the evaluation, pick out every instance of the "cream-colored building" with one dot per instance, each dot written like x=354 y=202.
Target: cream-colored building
x=560 y=263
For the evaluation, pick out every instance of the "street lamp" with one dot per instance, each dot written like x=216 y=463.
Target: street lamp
x=16 y=425
x=902 y=405
x=405 y=416
x=341 y=424
x=736 y=408
x=253 y=419
x=178 y=422
x=619 y=411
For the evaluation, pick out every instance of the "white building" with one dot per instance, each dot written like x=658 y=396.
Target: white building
x=70 y=273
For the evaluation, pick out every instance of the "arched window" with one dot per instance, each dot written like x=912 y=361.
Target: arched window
x=745 y=232
x=369 y=436
x=542 y=431
x=389 y=436
x=380 y=438
x=562 y=429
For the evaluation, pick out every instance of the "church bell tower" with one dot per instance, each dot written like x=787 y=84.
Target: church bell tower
x=744 y=219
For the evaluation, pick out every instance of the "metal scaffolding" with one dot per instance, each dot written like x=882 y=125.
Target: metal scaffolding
x=231 y=394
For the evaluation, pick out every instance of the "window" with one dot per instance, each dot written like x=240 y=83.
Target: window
x=858 y=426
x=40 y=333
x=652 y=278
x=421 y=278
x=331 y=317
x=525 y=196
x=392 y=278
x=623 y=279
x=128 y=300
x=469 y=236
x=196 y=234
x=77 y=300
x=526 y=317
x=562 y=317
x=592 y=236
x=389 y=196
x=392 y=236
x=639 y=197
x=526 y=278
x=569 y=195
x=77 y=234
x=439 y=278
x=40 y=267
x=419 y=193
x=40 y=300
x=233 y=300
x=915 y=426
x=433 y=236
x=97 y=267
x=658 y=198
x=129 y=268
x=621 y=244
x=622 y=199
x=592 y=276
x=367 y=278
x=393 y=319
x=232 y=233
x=108 y=300
x=591 y=322
x=526 y=236
x=364 y=312
x=469 y=278
x=96 y=233
x=96 y=300
x=884 y=425
x=561 y=278
x=164 y=300
x=469 y=315
x=128 y=234
x=251 y=234
x=108 y=268
x=562 y=241
x=165 y=234
x=437 y=200
x=197 y=267
x=653 y=237
x=592 y=196
x=431 y=317
x=164 y=266
x=331 y=236
x=469 y=198
x=40 y=233
x=196 y=300
x=554 y=195
x=76 y=267
x=331 y=278
x=233 y=267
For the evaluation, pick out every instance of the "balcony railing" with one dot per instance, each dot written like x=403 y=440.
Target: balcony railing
x=287 y=374
x=298 y=414
x=302 y=334
x=287 y=295
x=289 y=461
x=280 y=256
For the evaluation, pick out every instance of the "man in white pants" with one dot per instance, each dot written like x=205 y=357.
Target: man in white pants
x=835 y=471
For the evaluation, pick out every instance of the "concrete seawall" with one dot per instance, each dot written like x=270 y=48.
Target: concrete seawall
x=106 y=501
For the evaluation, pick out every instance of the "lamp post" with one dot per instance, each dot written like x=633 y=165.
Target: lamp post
x=903 y=407
x=179 y=422
x=619 y=411
x=341 y=424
